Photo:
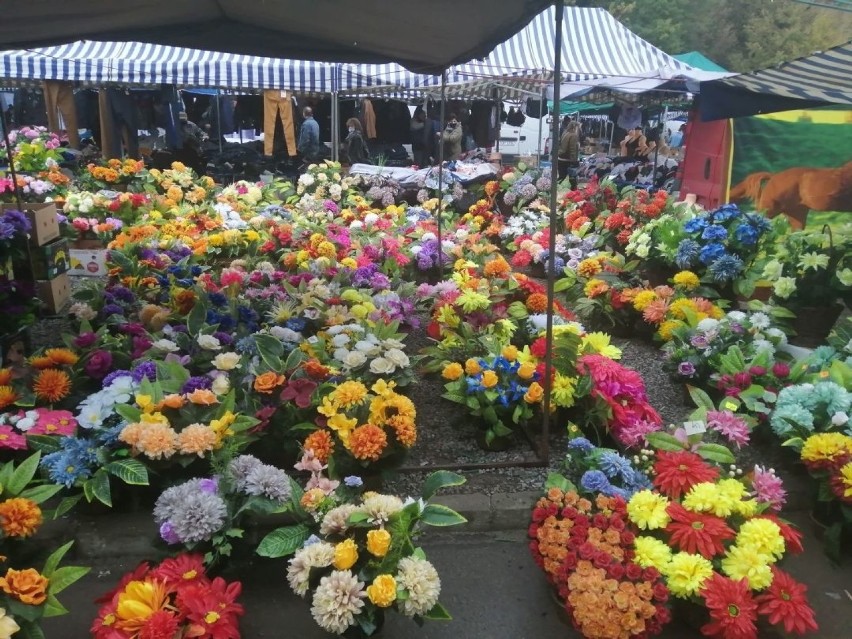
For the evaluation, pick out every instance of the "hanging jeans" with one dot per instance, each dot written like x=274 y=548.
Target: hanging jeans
x=118 y=123
x=59 y=99
x=278 y=104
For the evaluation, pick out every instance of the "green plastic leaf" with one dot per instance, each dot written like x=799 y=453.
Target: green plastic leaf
x=664 y=441
x=52 y=607
x=438 y=613
x=128 y=412
x=283 y=541
x=100 y=487
x=716 y=453
x=66 y=504
x=439 y=515
x=40 y=494
x=23 y=475
x=701 y=399
x=358 y=518
x=65 y=576
x=270 y=349
x=555 y=480
x=130 y=471
x=55 y=557
x=196 y=319
x=43 y=443
x=29 y=629
x=438 y=480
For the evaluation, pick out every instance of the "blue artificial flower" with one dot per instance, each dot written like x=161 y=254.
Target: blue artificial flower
x=613 y=464
x=353 y=481
x=501 y=363
x=726 y=268
x=112 y=309
x=615 y=491
x=582 y=444
x=760 y=222
x=474 y=384
x=635 y=480
x=746 y=234
x=72 y=462
x=247 y=345
x=698 y=223
x=196 y=383
x=711 y=252
x=213 y=317
x=217 y=299
x=297 y=324
x=595 y=482
x=714 y=232
x=111 y=377
x=726 y=212
x=196 y=270
x=687 y=253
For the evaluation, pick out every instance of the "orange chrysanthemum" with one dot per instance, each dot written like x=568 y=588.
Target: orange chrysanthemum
x=157 y=441
x=321 y=443
x=61 y=356
x=497 y=268
x=197 y=439
x=52 y=385
x=537 y=303
x=8 y=396
x=406 y=431
x=19 y=517
x=656 y=311
x=368 y=442
x=5 y=376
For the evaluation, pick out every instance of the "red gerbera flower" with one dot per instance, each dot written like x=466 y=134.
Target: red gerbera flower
x=211 y=609
x=732 y=609
x=161 y=625
x=786 y=601
x=695 y=532
x=181 y=571
x=676 y=472
x=792 y=537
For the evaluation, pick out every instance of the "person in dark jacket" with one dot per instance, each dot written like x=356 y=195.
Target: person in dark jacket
x=569 y=154
x=451 y=137
x=356 y=146
x=419 y=137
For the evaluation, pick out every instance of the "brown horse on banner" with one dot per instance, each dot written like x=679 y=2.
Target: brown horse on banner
x=794 y=192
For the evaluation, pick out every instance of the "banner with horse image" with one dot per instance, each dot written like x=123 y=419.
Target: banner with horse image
x=793 y=163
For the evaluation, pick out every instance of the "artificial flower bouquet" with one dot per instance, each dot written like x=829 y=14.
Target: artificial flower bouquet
x=597 y=470
x=586 y=548
x=482 y=215
x=634 y=209
x=570 y=250
x=35 y=149
x=176 y=598
x=526 y=222
x=30 y=188
x=354 y=554
x=811 y=269
x=113 y=174
x=208 y=514
x=28 y=594
x=718 y=542
x=588 y=202
x=325 y=181
x=498 y=390
x=129 y=208
x=14 y=229
x=828 y=459
x=49 y=380
x=178 y=184
x=820 y=406
x=522 y=185
x=362 y=429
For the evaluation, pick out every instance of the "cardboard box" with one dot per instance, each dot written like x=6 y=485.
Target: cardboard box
x=45 y=225
x=88 y=263
x=54 y=293
x=50 y=260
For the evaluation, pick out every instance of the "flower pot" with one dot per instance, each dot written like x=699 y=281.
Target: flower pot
x=496 y=445
x=814 y=323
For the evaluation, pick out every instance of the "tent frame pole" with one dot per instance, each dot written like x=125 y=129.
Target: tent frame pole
x=541 y=122
x=544 y=444
x=440 y=264
x=219 y=133
x=335 y=126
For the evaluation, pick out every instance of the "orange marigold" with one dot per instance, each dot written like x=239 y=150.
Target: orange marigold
x=497 y=268
x=52 y=385
x=19 y=517
x=537 y=303
x=406 y=431
x=8 y=396
x=28 y=586
x=321 y=443
x=367 y=442
x=61 y=356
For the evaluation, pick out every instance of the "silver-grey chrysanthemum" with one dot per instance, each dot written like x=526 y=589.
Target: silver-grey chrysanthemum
x=337 y=599
x=198 y=517
x=171 y=498
x=268 y=481
x=240 y=467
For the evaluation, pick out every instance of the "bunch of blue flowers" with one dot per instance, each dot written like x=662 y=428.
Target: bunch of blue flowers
x=595 y=470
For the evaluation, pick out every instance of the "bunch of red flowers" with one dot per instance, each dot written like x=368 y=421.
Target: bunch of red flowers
x=174 y=599
x=632 y=212
x=586 y=549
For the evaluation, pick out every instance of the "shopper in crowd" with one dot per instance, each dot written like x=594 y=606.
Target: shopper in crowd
x=192 y=135
x=677 y=137
x=309 y=136
x=420 y=129
x=569 y=154
x=633 y=144
x=356 y=146
x=452 y=138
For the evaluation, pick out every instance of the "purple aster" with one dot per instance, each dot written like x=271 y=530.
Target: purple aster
x=224 y=338
x=196 y=383
x=380 y=281
x=145 y=369
x=209 y=485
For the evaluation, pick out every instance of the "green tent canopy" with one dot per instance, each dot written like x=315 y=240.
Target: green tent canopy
x=699 y=61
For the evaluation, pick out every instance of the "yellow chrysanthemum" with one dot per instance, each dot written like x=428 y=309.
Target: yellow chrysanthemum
x=826 y=447
x=744 y=563
x=686 y=573
x=642 y=299
x=651 y=552
x=761 y=536
x=600 y=343
x=647 y=510
x=667 y=328
x=686 y=280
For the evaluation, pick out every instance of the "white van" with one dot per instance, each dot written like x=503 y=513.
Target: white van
x=524 y=140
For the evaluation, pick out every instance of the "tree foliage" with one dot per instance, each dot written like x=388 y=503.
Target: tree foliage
x=740 y=36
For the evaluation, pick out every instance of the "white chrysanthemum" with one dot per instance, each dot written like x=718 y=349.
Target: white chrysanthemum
x=380 y=508
x=338 y=598
x=319 y=555
x=420 y=579
x=336 y=520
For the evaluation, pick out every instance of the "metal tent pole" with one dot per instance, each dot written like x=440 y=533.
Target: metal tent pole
x=544 y=451
x=219 y=119
x=440 y=265
x=335 y=126
x=541 y=124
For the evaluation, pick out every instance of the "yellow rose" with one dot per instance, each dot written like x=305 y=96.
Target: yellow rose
x=345 y=554
x=378 y=542
x=472 y=367
x=534 y=393
x=382 y=592
x=452 y=371
x=526 y=370
x=510 y=353
x=489 y=379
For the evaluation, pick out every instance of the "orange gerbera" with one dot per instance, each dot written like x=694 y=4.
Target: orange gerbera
x=19 y=517
x=61 y=356
x=321 y=443
x=5 y=376
x=367 y=442
x=8 y=396
x=52 y=385
x=537 y=303
x=138 y=602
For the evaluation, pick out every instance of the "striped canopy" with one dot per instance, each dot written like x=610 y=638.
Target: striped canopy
x=816 y=80
x=138 y=64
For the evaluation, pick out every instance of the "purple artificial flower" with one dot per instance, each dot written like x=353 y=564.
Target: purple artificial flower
x=98 y=364
x=353 y=481
x=196 y=383
x=132 y=328
x=331 y=207
x=145 y=369
x=18 y=220
x=112 y=309
x=168 y=534
x=209 y=486
x=85 y=340
x=183 y=360
x=380 y=281
x=123 y=294
x=109 y=379
x=699 y=341
x=224 y=338
x=768 y=488
x=141 y=345
x=686 y=369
